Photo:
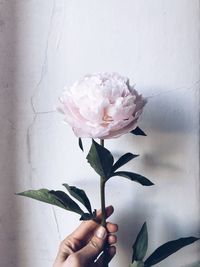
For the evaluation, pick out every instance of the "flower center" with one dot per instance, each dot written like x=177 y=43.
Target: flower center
x=106 y=120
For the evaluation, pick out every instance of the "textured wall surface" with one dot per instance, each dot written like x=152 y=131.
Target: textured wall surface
x=46 y=44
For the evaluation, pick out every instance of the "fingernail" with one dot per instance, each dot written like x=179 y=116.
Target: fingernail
x=101 y=232
x=110 y=207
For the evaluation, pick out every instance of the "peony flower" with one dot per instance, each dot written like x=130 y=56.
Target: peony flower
x=101 y=105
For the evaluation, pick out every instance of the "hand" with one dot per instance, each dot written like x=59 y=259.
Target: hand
x=85 y=244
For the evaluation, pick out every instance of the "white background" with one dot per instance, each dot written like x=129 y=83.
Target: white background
x=47 y=44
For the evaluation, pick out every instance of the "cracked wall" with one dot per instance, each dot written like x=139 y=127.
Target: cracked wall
x=45 y=45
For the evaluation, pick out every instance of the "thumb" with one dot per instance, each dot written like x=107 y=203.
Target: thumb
x=94 y=247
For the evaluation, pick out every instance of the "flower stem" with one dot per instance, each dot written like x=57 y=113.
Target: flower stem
x=102 y=192
x=103 y=210
x=102 y=142
x=103 y=205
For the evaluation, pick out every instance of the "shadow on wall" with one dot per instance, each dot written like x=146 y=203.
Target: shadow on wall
x=8 y=142
x=171 y=125
x=170 y=121
x=130 y=227
x=173 y=111
x=197 y=264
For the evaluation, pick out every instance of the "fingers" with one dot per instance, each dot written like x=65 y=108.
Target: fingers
x=112 y=239
x=111 y=227
x=86 y=228
x=77 y=242
x=67 y=247
x=90 y=252
x=109 y=212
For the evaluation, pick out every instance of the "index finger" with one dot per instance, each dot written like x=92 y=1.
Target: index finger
x=86 y=228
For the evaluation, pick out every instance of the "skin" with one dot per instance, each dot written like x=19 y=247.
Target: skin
x=83 y=246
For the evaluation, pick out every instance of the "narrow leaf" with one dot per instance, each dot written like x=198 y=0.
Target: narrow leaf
x=67 y=202
x=80 y=195
x=141 y=244
x=87 y=216
x=100 y=159
x=123 y=160
x=138 y=131
x=42 y=195
x=134 y=177
x=167 y=249
x=80 y=143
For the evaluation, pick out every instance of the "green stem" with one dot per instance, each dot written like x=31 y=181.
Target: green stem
x=102 y=192
x=103 y=205
x=103 y=210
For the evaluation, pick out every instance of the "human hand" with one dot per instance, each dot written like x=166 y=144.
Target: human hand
x=85 y=244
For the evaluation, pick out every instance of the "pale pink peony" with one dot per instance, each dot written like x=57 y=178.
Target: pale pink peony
x=101 y=105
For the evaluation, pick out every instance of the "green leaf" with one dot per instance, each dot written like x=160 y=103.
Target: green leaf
x=89 y=216
x=42 y=195
x=80 y=143
x=56 y=198
x=123 y=160
x=66 y=201
x=167 y=249
x=86 y=217
x=100 y=159
x=80 y=195
x=137 y=264
x=134 y=177
x=141 y=244
x=138 y=131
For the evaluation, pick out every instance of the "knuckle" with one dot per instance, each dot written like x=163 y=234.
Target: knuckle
x=67 y=246
x=95 y=245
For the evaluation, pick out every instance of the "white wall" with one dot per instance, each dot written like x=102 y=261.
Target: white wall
x=45 y=44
